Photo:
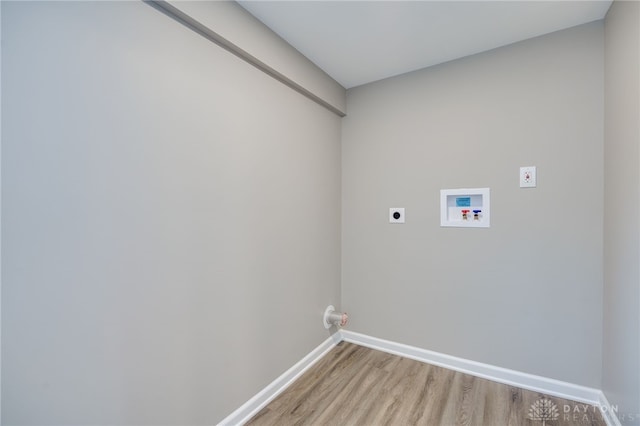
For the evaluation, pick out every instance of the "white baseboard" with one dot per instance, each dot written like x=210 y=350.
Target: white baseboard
x=608 y=412
x=250 y=408
x=531 y=382
x=497 y=374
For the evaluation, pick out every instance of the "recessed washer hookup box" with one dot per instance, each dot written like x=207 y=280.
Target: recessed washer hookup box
x=465 y=207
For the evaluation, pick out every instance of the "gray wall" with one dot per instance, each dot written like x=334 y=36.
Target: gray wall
x=621 y=348
x=526 y=293
x=170 y=224
x=238 y=26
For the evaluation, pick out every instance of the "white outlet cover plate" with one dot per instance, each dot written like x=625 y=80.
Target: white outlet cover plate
x=394 y=210
x=528 y=177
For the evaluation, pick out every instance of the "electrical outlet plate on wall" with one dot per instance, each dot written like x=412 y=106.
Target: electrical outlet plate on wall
x=528 y=177
x=396 y=215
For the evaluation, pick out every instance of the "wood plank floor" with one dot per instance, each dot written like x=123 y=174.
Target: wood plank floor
x=354 y=385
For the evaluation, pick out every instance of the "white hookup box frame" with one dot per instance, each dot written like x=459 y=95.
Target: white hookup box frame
x=465 y=207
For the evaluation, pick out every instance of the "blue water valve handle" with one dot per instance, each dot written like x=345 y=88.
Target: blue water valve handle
x=475 y=214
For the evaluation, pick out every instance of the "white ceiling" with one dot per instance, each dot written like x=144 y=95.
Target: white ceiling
x=357 y=42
